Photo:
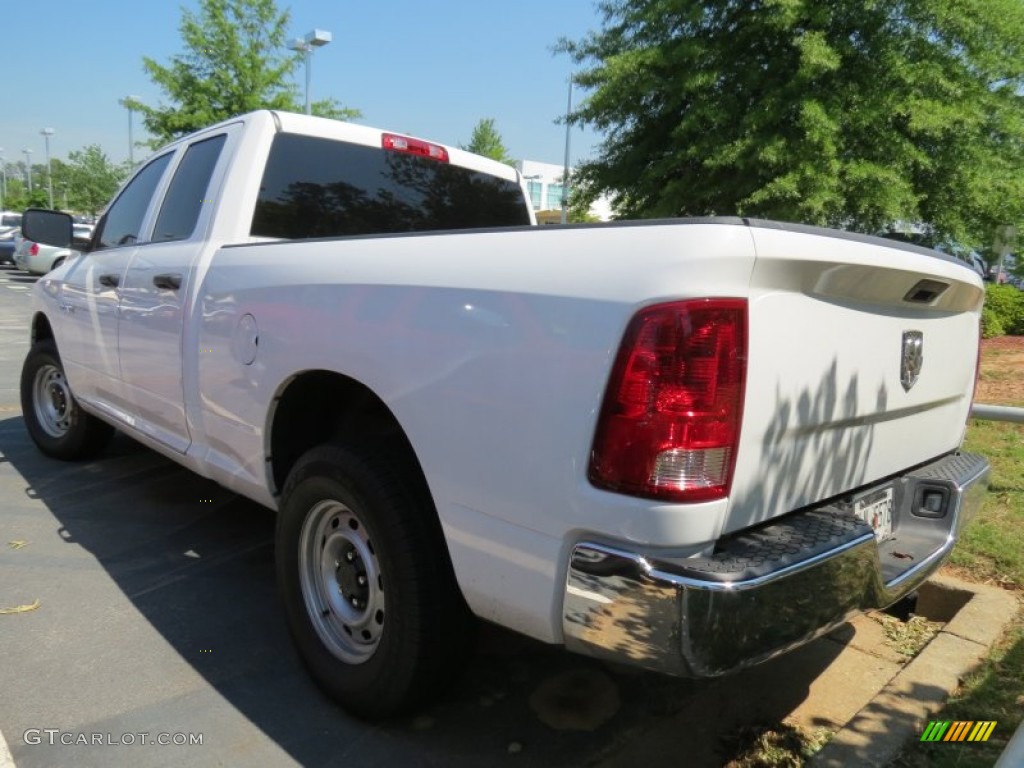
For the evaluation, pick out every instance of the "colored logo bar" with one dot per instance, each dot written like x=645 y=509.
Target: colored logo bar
x=958 y=730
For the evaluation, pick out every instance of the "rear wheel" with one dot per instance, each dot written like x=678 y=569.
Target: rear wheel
x=368 y=588
x=57 y=263
x=55 y=421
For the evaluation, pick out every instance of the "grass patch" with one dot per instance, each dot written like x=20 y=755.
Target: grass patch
x=780 y=746
x=908 y=637
x=994 y=692
x=996 y=374
x=991 y=549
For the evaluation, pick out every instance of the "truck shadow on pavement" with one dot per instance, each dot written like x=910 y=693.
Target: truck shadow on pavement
x=196 y=561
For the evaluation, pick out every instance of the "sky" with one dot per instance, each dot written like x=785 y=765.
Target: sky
x=431 y=69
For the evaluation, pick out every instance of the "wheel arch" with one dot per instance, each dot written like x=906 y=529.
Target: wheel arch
x=320 y=406
x=41 y=329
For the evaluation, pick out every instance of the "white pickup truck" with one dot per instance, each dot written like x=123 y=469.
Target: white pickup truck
x=688 y=445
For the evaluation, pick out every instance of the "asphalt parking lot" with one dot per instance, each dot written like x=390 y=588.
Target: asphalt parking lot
x=157 y=620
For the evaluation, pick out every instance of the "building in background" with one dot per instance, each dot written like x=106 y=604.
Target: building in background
x=544 y=186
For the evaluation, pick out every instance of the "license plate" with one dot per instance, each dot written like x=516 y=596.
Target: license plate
x=875 y=509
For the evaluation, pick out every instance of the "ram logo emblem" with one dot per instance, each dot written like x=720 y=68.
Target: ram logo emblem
x=911 y=359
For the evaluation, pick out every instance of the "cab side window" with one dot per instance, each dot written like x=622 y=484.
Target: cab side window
x=123 y=220
x=189 y=191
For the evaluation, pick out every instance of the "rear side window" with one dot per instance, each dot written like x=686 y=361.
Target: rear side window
x=188 y=191
x=316 y=187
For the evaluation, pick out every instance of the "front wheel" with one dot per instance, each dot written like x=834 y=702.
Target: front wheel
x=55 y=421
x=368 y=588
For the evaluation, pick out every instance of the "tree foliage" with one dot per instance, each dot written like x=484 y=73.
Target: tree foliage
x=16 y=194
x=90 y=180
x=852 y=113
x=84 y=183
x=486 y=141
x=235 y=62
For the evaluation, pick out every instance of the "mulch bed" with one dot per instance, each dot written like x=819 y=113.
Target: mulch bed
x=1002 y=368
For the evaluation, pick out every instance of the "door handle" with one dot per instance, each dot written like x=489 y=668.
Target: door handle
x=167 y=281
x=111 y=281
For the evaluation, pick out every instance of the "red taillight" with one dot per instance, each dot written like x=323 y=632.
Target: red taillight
x=33 y=249
x=414 y=147
x=670 y=424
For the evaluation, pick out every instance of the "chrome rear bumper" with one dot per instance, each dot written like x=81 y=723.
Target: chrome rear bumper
x=767 y=589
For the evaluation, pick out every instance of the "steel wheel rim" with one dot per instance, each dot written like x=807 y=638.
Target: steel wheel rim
x=341 y=581
x=52 y=401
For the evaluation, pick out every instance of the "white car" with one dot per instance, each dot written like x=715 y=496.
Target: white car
x=10 y=219
x=38 y=258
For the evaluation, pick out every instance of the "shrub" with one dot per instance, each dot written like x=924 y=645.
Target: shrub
x=1003 y=311
x=991 y=325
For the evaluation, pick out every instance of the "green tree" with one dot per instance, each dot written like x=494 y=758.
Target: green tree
x=17 y=196
x=91 y=180
x=486 y=141
x=14 y=192
x=59 y=169
x=852 y=113
x=235 y=62
x=579 y=210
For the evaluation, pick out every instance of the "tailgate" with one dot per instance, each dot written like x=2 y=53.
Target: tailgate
x=861 y=364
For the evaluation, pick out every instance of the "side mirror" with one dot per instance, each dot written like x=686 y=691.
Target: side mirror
x=48 y=227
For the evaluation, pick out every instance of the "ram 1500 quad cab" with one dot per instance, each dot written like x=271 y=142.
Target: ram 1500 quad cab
x=689 y=445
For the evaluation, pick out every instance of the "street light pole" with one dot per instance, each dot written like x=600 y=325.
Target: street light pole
x=307 y=56
x=129 y=103
x=28 y=167
x=47 y=133
x=305 y=45
x=3 y=178
x=565 y=170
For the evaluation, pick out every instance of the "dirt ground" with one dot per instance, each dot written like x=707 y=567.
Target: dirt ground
x=1002 y=371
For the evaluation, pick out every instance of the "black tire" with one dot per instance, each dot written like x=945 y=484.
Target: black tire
x=55 y=421
x=367 y=584
x=57 y=263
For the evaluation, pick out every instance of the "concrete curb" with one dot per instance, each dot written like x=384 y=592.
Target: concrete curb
x=976 y=616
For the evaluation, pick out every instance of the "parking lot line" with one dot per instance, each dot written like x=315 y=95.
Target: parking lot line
x=6 y=761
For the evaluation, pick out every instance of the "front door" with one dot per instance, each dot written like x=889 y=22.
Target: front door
x=91 y=293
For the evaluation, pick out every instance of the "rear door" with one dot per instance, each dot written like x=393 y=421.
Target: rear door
x=157 y=287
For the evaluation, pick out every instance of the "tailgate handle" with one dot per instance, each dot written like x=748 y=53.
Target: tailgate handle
x=111 y=281
x=167 y=281
x=926 y=291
